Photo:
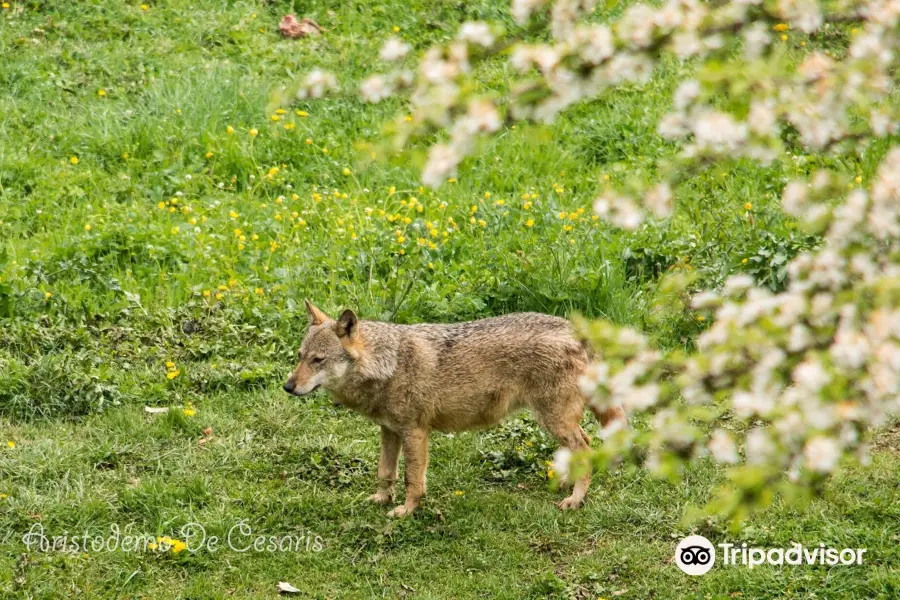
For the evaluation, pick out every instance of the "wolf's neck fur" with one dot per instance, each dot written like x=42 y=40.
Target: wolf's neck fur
x=372 y=370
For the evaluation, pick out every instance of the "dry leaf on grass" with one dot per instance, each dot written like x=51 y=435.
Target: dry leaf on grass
x=292 y=28
x=285 y=588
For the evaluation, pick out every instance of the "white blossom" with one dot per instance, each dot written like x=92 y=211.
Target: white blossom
x=722 y=447
x=476 y=32
x=375 y=89
x=442 y=163
x=317 y=84
x=394 y=49
x=821 y=454
x=561 y=460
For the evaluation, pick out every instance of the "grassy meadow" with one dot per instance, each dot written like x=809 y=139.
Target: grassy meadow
x=165 y=207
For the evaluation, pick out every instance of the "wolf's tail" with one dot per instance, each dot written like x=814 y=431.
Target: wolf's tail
x=588 y=349
x=609 y=414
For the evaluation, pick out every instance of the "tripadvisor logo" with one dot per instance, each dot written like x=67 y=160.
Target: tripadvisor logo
x=696 y=555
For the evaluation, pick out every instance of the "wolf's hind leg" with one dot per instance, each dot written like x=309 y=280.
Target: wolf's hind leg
x=570 y=435
x=387 y=467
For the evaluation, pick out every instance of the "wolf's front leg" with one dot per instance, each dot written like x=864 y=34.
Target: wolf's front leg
x=415 y=454
x=387 y=467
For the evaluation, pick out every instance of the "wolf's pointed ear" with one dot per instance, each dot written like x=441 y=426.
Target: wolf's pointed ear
x=316 y=316
x=347 y=325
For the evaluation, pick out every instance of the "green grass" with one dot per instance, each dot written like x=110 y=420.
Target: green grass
x=104 y=279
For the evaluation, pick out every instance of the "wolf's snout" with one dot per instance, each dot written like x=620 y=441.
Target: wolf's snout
x=289 y=385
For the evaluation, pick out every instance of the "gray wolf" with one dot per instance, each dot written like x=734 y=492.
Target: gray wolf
x=414 y=379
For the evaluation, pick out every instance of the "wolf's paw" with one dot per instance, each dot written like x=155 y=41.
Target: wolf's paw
x=570 y=503
x=381 y=498
x=401 y=511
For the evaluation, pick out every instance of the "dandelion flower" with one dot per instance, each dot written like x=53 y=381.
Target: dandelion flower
x=101 y=92
x=229 y=130
x=74 y=160
x=254 y=133
x=10 y=444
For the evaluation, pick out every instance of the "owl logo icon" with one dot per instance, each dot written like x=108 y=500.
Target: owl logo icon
x=695 y=555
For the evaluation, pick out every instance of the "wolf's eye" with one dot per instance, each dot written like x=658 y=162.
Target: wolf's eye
x=317 y=360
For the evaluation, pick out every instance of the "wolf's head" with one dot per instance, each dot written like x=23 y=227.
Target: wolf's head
x=327 y=352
